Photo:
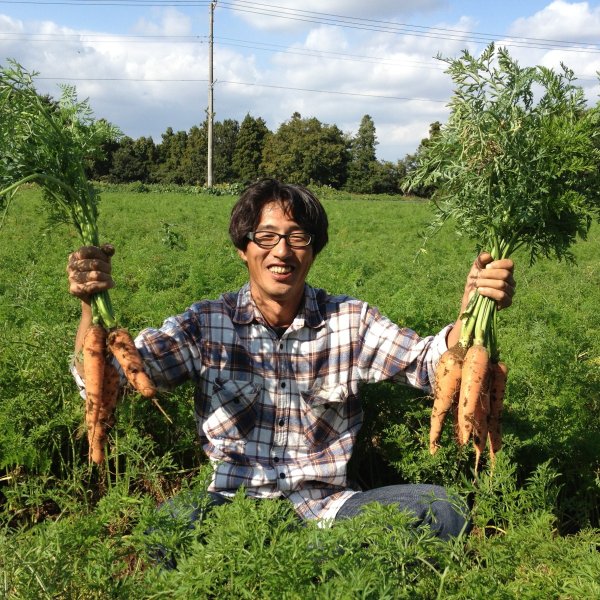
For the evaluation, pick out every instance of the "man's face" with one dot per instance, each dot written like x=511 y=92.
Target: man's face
x=277 y=274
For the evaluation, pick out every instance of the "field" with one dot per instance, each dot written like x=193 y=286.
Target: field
x=71 y=531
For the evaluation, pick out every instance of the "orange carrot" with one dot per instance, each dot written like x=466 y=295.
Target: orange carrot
x=475 y=376
x=480 y=423
x=110 y=394
x=497 y=389
x=447 y=387
x=94 y=352
x=120 y=343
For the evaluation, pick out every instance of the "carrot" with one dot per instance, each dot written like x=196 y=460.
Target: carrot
x=94 y=351
x=480 y=423
x=120 y=343
x=447 y=387
x=497 y=389
x=475 y=375
x=110 y=394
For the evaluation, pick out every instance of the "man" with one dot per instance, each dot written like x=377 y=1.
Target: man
x=277 y=365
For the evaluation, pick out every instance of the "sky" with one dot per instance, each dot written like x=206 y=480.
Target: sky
x=144 y=66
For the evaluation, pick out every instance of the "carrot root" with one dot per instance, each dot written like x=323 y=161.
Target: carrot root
x=121 y=345
x=94 y=359
x=497 y=390
x=447 y=387
x=480 y=423
x=110 y=395
x=475 y=380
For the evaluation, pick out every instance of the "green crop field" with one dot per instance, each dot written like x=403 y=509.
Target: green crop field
x=69 y=530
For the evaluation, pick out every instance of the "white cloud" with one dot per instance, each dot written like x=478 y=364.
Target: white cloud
x=167 y=21
x=561 y=20
x=288 y=15
x=324 y=58
x=570 y=22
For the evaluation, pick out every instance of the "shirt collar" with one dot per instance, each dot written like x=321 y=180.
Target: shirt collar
x=309 y=314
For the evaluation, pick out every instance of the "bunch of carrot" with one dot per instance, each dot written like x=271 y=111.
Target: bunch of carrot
x=49 y=143
x=470 y=381
x=514 y=167
x=102 y=381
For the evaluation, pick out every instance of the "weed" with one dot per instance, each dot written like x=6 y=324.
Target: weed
x=71 y=531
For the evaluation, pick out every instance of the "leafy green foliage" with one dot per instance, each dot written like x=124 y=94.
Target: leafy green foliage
x=50 y=144
x=70 y=531
x=247 y=156
x=517 y=162
x=306 y=151
x=132 y=160
x=363 y=160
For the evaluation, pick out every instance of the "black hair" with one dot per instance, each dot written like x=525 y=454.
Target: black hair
x=298 y=201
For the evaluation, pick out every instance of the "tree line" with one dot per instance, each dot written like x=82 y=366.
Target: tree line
x=301 y=150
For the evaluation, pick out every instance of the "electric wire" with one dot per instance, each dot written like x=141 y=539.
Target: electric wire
x=365 y=24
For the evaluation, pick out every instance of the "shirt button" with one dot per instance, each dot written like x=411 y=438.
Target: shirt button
x=283 y=384
x=281 y=346
x=281 y=422
x=281 y=475
x=276 y=459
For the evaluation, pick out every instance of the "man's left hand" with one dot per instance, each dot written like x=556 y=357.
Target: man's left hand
x=492 y=278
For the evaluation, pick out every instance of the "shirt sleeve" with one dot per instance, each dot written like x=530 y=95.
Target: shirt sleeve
x=172 y=353
x=77 y=378
x=390 y=352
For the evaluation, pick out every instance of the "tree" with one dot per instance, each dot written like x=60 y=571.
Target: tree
x=225 y=139
x=171 y=152
x=306 y=151
x=133 y=160
x=193 y=166
x=363 y=160
x=387 y=177
x=248 y=151
x=99 y=167
x=412 y=160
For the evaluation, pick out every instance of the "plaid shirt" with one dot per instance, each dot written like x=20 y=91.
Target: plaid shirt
x=280 y=415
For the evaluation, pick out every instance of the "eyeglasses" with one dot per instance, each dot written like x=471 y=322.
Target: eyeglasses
x=270 y=239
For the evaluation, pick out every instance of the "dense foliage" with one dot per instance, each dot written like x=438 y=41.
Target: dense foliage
x=516 y=164
x=68 y=530
x=51 y=144
x=302 y=150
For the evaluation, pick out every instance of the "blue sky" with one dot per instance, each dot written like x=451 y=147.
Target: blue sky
x=143 y=63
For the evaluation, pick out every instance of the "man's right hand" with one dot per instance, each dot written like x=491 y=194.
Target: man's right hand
x=89 y=271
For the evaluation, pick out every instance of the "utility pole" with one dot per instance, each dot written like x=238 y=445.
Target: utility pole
x=210 y=112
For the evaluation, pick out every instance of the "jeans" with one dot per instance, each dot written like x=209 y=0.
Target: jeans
x=446 y=516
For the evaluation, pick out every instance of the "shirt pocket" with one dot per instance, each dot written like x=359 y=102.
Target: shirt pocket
x=324 y=414
x=233 y=411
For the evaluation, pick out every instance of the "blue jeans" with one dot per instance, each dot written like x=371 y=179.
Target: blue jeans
x=446 y=516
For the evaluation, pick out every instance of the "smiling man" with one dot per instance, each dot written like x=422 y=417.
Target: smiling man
x=277 y=365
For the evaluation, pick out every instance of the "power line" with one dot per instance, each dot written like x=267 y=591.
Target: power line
x=244 y=83
x=221 y=41
x=365 y=24
x=325 y=54
x=401 y=29
x=359 y=94
x=101 y=38
x=405 y=26
x=134 y=79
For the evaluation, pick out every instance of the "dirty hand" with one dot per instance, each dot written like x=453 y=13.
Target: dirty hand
x=89 y=271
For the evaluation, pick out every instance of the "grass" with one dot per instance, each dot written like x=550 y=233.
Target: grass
x=70 y=531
